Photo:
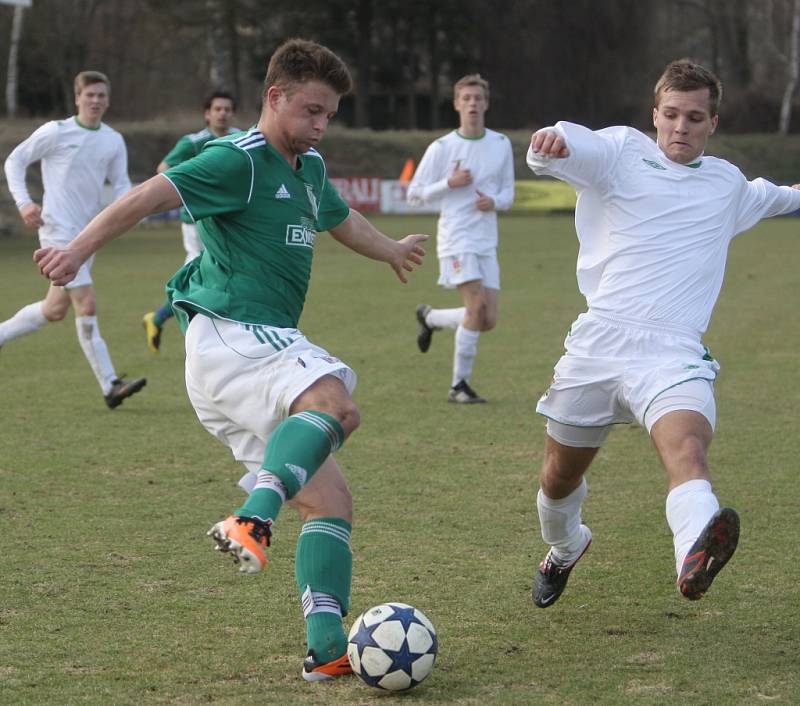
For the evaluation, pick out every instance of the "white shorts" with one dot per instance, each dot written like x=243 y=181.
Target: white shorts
x=243 y=378
x=58 y=239
x=468 y=267
x=191 y=241
x=615 y=371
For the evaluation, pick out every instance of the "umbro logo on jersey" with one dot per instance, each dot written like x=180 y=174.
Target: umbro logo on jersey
x=654 y=165
x=283 y=193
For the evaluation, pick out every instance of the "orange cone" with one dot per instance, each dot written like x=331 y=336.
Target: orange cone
x=408 y=171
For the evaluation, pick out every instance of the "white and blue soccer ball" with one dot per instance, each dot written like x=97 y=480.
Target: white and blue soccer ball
x=392 y=646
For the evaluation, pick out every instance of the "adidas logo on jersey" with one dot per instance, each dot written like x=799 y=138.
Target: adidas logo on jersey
x=283 y=193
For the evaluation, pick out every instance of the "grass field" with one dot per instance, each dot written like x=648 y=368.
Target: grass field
x=111 y=594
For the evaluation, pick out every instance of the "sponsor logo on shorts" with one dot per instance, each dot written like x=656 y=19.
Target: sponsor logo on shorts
x=301 y=236
x=456 y=264
x=301 y=362
x=328 y=359
x=300 y=473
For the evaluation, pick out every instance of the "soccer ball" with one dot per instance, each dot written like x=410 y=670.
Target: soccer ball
x=392 y=646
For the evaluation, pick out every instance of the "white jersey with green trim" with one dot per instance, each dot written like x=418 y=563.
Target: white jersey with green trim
x=76 y=163
x=462 y=227
x=654 y=234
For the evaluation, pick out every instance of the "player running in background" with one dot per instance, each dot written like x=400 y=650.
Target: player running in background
x=470 y=173
x=78 y=156
x=280 y=403
x=218 y=108
x=654 y=222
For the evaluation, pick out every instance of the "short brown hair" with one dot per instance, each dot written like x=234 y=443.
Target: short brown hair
x=300 y=60
x=686 y=75
x=87 y=78
x=471 y=80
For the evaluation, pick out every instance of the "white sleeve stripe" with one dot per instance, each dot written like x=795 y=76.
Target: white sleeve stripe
x=180 y=195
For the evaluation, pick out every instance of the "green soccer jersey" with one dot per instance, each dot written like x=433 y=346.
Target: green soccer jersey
x=258 y=219
x=190 y=146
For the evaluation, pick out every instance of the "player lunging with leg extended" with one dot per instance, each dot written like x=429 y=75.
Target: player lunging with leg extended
x=279 y=402
x=654 y=222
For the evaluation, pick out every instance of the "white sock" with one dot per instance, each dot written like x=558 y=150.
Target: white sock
x=465 y=352
x=27 y=320
x=318 y=602
x=560 y=522
x=689 y=508
x=445 y=318
x=96 y=351
x=270 y=481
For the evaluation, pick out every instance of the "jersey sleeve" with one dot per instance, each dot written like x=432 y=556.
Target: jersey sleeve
x=184 y=149
x=27 y=152
x=505 y=196
x=430 y=182
x=118 y=170
x=333 y=209
x=762 y=199
x=592 y=155
x=219 y=180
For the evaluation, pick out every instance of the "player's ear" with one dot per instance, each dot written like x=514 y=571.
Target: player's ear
x=714 y=123
x=274 y=94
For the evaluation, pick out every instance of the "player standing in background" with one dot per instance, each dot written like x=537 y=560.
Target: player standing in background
x=470 y=173
x=219 y=108
x=654 y=223
x=280 y=403
x=78 y=156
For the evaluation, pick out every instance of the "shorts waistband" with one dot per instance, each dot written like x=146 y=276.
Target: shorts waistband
x=644 y=324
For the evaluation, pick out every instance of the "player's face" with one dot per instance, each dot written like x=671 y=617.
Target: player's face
x=92 y=103
x=684 y=123
x=219 y=115
x=471 y=105
x=302 y=114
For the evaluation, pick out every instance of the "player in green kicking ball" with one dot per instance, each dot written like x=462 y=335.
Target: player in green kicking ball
x=280 y=403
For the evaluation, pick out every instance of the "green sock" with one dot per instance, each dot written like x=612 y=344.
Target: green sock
x=299 y=446
x=326 y=638
x=263 y=503
x=324 y=564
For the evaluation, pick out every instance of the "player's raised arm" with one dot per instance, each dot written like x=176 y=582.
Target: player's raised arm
x=153 y=196
x=358 y=234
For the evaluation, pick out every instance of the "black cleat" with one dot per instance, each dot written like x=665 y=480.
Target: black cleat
x=551 y=577
x=462 y=393
x=425 y=332
x=120 y=389
x=712 y=550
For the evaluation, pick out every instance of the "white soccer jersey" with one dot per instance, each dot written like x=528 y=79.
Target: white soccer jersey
x=654 y=234
x=462 y=227
x=76 y=163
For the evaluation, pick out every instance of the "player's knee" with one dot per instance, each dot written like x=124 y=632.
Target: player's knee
x=54 y=312
x=349 y=417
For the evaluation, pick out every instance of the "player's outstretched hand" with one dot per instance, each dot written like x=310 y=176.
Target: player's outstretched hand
x=409 y=253
x=549 y=143
x=59 y=266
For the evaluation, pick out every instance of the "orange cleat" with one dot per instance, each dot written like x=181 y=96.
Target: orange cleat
x=245 y=538
x=323 y=672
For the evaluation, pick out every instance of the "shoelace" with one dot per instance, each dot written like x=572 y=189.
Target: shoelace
x=260 y=531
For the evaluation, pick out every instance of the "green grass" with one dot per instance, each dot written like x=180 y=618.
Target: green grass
x=110 y=593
